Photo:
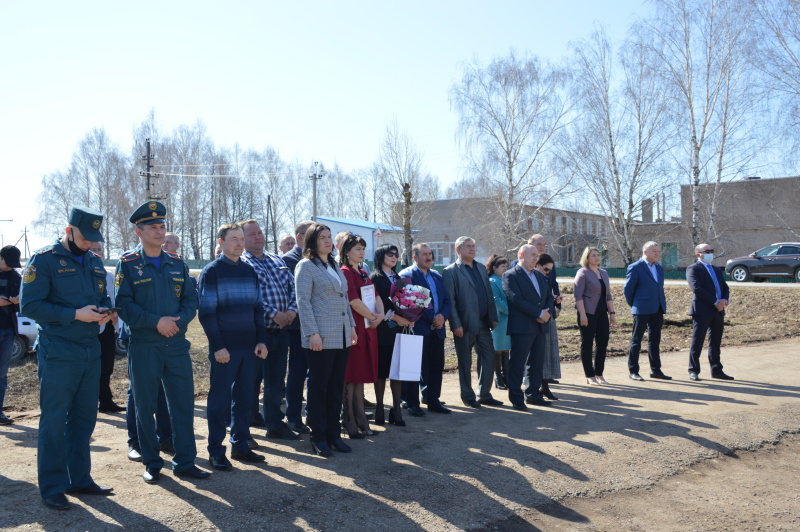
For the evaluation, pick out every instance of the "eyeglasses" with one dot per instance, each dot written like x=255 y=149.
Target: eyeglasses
x=547 y=270
x=354 y=235
x=706 y=251
x=391 y=253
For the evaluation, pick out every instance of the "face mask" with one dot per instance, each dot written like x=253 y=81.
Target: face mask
x=708 y=257
x=74 y=249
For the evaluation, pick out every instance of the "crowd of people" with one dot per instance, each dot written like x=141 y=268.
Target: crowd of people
x=313 y=319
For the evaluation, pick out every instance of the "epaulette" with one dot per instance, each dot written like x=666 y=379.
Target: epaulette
x=174 y=255
x=97 y=255
x=130 y=256
x=42 y=251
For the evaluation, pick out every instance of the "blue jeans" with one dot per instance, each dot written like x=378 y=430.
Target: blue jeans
x=6 y=348
x=230 y=399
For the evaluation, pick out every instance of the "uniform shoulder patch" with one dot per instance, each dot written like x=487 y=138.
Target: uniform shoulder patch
x=42 y=251
x=128 y=257
x=174 y=255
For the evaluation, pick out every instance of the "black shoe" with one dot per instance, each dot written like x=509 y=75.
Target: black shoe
x=340 y=446
x=110 y=407
x=357 y=435
x=416 y=411
x=298 y=427
x=57 y=502
x=489 y=401
x=519 y=406
x=499 y=384
x=549 y=395
x=369 y=404
x=5 y=420
x=538 y=401
x=380 y=416
x=472 y=403
x=722 y=376
x=151 y=475
x=193 y=472
x=94 y=489
x=247 y=456
x=636 y=377
x=220 y=463
x=321 y=449
x=693 y=376
x=258 y=421
x=396 y=419
x=282 y=432
x=552 y=381
x=439 y=408
x=134 y=453
x=251 y=443
x=166 y=447
x=660 y=375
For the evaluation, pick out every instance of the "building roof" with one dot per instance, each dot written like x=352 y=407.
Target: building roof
x=385 y=228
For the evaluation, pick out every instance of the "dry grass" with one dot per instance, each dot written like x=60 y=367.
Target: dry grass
x=755 y=315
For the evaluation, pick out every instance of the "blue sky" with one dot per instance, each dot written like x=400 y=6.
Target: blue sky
x=315 y=80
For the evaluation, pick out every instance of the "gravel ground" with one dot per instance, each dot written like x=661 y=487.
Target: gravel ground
x=655 y=455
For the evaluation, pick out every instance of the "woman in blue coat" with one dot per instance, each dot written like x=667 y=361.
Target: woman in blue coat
x=496 y=266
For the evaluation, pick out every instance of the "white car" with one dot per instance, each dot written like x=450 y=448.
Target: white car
x=26 y=338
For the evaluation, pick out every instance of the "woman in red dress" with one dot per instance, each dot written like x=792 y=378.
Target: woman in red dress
x=362 y=367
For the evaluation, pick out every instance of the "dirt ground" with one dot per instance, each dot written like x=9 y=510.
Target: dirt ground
x=663 y=456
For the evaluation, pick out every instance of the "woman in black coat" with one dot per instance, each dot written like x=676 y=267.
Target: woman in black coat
x=384 y=275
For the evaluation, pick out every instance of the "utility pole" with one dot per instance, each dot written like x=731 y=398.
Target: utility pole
x=314 y=177
x=147 y=158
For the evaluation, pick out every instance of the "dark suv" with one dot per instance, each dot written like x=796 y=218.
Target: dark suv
x=778 y=260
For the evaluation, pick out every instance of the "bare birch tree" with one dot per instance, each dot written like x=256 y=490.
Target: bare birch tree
x=700 y=44
x=511 y=112
x=622 y=134
x=400 y=165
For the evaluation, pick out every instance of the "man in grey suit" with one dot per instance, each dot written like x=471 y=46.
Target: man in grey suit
x=529 y=301
x=472 y=317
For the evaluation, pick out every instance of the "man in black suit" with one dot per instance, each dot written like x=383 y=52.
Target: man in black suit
x=298 y=368
x=529 y=302
x=709 y=298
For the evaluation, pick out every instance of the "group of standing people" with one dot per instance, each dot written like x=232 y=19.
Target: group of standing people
x=332 y=325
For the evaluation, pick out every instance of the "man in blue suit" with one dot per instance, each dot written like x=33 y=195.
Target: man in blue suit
x=431 y=327
x=709 y=298
x=644 y=292
x=529 y=303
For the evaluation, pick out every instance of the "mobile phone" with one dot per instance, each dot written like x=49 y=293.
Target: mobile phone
x=109 y=310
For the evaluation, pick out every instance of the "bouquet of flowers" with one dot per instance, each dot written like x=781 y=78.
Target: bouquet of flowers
x=410 y=300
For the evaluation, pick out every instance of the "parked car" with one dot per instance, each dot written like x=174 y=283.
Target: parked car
x=26 y=339
x=781 y=260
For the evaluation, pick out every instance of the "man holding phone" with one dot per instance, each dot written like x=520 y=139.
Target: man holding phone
x=64 y=289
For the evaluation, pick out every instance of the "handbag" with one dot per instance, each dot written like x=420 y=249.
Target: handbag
x=406 y=357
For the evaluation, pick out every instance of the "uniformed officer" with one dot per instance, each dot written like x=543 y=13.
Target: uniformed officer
x=64 y=290
x=157 y=302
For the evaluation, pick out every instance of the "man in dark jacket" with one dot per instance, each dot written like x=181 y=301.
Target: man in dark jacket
x=10 y=282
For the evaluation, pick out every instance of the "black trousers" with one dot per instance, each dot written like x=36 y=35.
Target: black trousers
x=710 y=325
x=526 y=357
x=651 y=323
x=107 y=353
x=326 y=370
x=596 y=332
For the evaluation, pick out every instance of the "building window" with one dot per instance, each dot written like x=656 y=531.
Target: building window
x=569 y=225
x=588 y=227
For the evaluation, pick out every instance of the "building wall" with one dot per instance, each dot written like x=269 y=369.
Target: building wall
x=751 y=214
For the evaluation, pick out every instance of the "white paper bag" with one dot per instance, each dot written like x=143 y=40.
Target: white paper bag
x=406 y=358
